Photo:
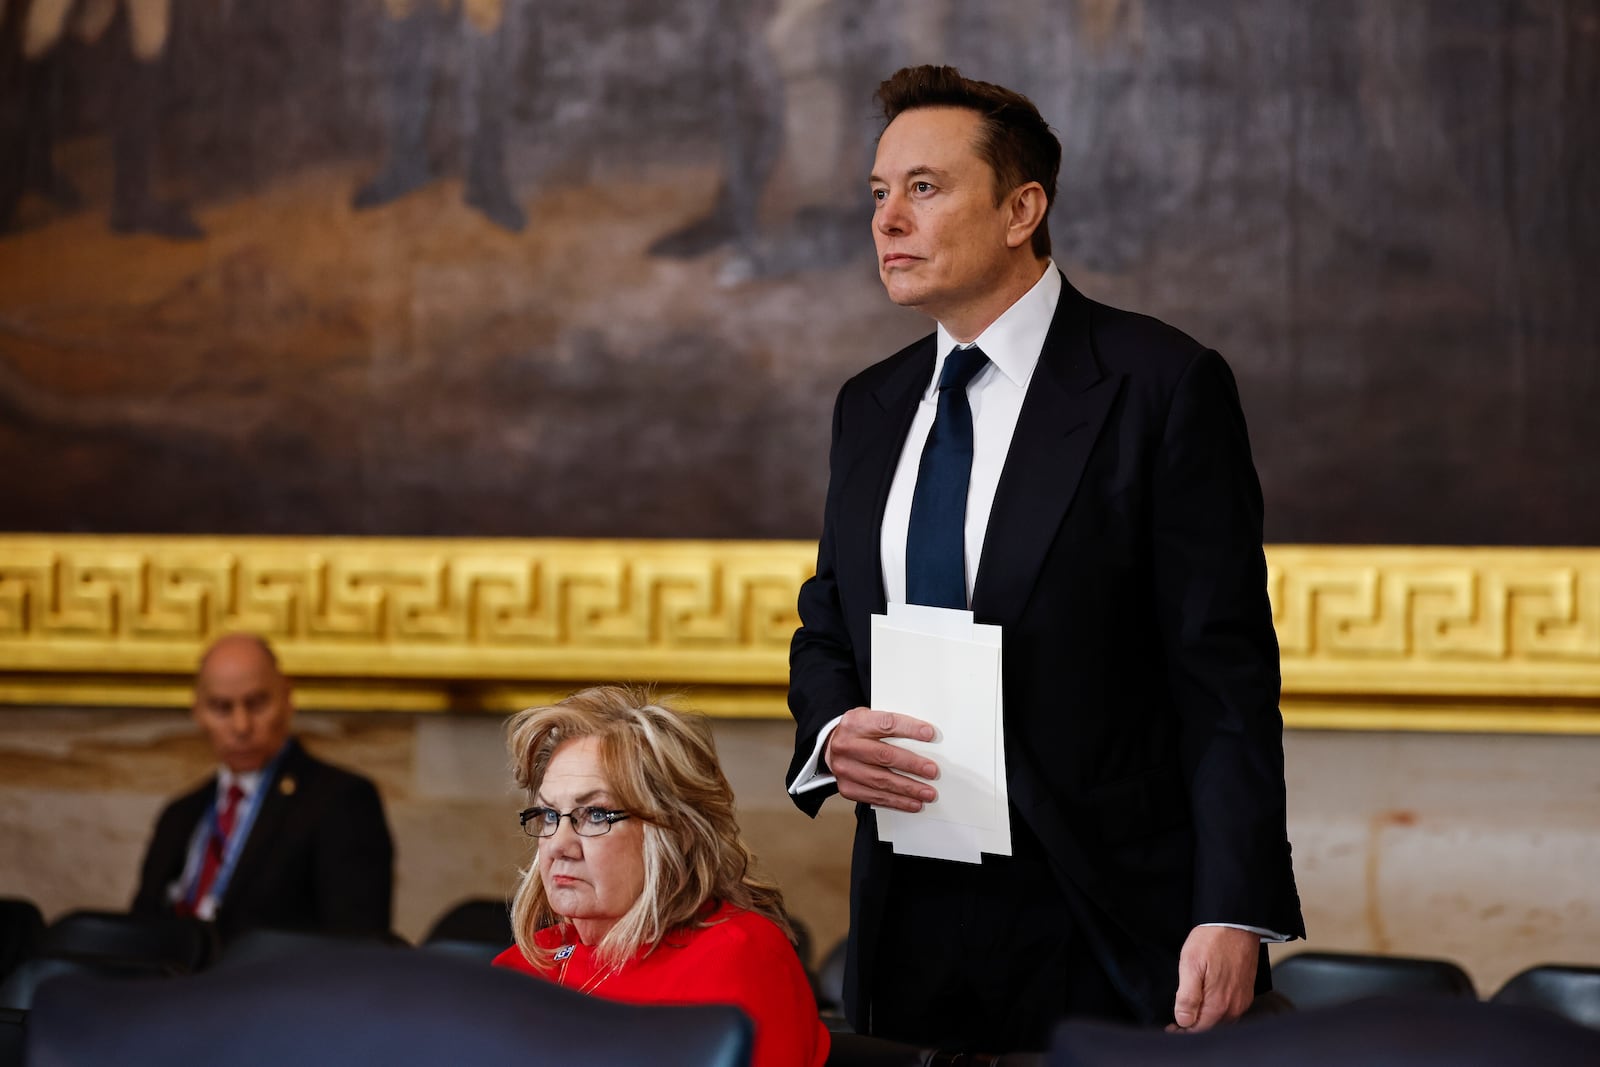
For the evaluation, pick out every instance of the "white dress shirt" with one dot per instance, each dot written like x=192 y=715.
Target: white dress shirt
x=248 y=783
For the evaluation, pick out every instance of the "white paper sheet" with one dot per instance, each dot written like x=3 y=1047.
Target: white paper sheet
x=939 y=666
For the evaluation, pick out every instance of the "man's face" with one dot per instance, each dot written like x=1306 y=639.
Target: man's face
x=941 y=238
x=243 y=704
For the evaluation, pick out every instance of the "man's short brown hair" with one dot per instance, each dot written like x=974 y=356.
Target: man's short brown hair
x=1014 y=139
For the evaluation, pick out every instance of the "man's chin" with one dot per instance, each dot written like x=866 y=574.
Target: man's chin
x=902 y=294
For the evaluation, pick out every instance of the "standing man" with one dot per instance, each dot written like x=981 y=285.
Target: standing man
x=275 y=838
x=1080 y=476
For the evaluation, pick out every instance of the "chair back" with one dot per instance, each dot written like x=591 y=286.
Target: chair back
x=266 y=943
x=803 y=945
x=182 y=945
x=1570 y=990
x=21 y=931
x=369 y=1005
x=1415 y=1031
x=482 y=951
x=13 y=1025
x=21 y=986
x=830 y=979
x=480 y=919
x=1320 y=979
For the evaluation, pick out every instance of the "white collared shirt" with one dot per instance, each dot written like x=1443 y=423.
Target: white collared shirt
x=249 y=782
x=1013 y=343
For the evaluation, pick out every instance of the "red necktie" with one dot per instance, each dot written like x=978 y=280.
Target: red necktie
x=216 y=846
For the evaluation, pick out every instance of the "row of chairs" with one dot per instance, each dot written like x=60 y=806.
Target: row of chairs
x=1373 y=993
x=115 y=943
x=423 y=1009
x=120 y=945
x=1323 y=979
x=410 y=1008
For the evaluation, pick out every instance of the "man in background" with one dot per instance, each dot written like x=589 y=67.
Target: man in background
x=276 y=838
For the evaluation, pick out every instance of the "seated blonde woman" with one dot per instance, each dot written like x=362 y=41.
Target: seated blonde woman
x=641 y=889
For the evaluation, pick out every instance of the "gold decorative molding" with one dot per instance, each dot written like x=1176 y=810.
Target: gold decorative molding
x=1372 y=637
x=406 y=624
x=1478 y=622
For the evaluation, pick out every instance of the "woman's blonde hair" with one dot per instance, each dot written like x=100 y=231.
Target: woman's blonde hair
x=662 y=770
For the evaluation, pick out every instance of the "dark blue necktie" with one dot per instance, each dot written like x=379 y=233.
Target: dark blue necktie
x=936 y=573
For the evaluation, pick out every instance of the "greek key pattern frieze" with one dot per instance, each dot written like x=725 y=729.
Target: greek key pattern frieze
x=460 y=606
x=1523 y=620
x=1508 y=622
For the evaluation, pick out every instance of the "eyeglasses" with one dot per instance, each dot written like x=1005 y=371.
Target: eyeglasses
x=586 y=821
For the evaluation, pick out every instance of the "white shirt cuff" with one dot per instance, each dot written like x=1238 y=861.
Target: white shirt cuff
x=1271 y=936
x=809 y=778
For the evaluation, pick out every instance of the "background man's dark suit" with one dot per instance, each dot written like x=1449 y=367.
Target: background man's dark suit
x=1123 y=559
x=319 y=856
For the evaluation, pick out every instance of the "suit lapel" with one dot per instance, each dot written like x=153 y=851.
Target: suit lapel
x=1061 y=417
x=866 y=492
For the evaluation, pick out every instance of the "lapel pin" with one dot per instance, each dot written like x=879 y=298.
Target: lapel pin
x=563 y=952
x=286 y=786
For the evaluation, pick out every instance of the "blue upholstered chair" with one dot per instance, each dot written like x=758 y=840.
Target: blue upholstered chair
x=368 y=1005
x=1570 y=990
x=1321 y=979
x=1395 y=1031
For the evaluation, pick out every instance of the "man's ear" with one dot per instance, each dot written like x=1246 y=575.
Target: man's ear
x=1027 y=208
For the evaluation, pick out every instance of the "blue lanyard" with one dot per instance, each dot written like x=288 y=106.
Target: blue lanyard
x=242 y=822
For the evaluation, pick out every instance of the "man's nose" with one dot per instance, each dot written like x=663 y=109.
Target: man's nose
x=890 y=217
x=239 y=720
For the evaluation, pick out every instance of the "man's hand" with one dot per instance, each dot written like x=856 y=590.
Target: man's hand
x=872 y=771
x=1216 y=977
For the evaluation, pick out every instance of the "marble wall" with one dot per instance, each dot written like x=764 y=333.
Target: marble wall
x=1481 y=848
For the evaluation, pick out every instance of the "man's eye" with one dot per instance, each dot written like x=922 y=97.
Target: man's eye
x=879 y=194
x=923 y=187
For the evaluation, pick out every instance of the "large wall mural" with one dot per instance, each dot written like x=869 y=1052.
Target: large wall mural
x=497 y=267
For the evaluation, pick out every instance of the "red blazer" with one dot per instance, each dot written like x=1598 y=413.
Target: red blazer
x=741 y=959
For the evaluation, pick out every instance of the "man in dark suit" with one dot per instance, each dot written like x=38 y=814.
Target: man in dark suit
x=276 y=838
x=1107 y=517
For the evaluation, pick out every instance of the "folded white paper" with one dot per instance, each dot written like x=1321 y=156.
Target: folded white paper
x=938 y=665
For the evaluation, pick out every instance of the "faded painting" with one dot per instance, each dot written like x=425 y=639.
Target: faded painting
x=497 y=267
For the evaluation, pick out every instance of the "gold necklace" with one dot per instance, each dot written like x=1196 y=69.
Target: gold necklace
x=595 y=982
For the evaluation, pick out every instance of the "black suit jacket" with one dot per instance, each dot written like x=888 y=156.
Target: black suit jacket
x=319 y=856
x=1123 y=558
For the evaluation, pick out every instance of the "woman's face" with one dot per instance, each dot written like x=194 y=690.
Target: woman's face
x=592 y=881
